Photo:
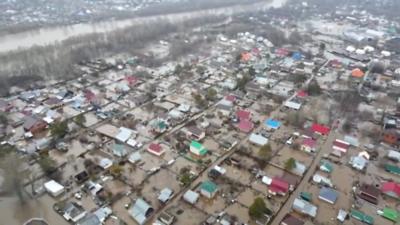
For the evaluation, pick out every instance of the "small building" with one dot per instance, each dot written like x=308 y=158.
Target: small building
x=308 y=145
x=389 y=214
x=341 y=146
x=193 y=132
x=391 y=189
x=342 y=215
x=304 y=207
x=208 y=189
x=369 y=193
x=320 y=129
x=140 y=211
x=53 y=188
x=328 y=195
x=278 y=187
x=74 y=212
x=394 y=155
x=393 y=169
x=291 y=220
x=191 y=197
x=197 y=149
x=326 y=166
x=156 y=149
x=358 y=162
x=272 y=124
x=360 y=216
x=123 y=134
x=119 y=150
x=258 y=139
x=245 y=126
x=165 y=195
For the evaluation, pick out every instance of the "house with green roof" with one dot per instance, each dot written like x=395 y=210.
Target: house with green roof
x=197 y=148
x=208 y=189
x=326 y=166
x=392 y=169
x=389 y=214
x=358 y=215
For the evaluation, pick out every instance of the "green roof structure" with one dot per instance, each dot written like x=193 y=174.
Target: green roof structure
x=197 y=148
x=390 y=214
x=209 y=186
x=326 y=166
x=306 y=196
x=392 y=169
x=362 y=217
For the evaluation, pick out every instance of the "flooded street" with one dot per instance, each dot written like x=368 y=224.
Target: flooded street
x=46 y=36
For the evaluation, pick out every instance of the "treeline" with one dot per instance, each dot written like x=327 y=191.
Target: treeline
x=190 y=5
x=58 y=61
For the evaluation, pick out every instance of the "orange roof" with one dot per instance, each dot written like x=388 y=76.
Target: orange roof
x=246 y=56
x=357 y=73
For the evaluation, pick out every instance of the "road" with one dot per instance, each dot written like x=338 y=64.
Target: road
x=287 y=207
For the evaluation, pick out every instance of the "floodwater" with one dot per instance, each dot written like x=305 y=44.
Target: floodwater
x=47 y=36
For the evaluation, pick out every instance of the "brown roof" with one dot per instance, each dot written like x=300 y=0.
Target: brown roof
x=291 y=220
x=370 y=190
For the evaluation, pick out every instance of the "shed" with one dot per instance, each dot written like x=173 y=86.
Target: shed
x=53 y=188
x=342 y=215
x=191 y=197
x=329 y=195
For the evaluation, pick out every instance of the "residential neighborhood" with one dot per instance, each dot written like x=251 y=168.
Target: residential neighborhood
x=245 y=130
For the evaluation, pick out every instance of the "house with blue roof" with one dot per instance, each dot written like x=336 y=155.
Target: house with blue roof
x=273 y=124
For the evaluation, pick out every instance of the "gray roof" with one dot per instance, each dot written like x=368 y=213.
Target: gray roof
x=304 y=207
x=191 y=196
x=165 y=194
x=90 y=219
x=328 y=195
x=140 y=211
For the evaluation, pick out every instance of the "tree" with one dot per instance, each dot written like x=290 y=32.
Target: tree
x=295 y=119
x=322 y=46
x=241 y=83
x=47 y=164
x=14 y=175
x=295 y=38
x=80 y=119
x=199 y=100
x=258 y=209
x=185 y=179
x=346 y=127
x=3 y=119
x=178 y=69
x=265 y=152
x=211 y=94
x=290 y=164
x=59 y=130
x=116 y=170
x=313 y=88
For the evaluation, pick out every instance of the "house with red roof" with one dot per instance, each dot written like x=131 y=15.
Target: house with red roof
x=342 y=146
x=282 y=52
x=156 y=149
x=243 y=115
x=302 y=94
x=391 y=189
x=231 y=98
x=320 y=129
x=245 y=126
x=308 y=145
x=132 y=80
x=278 y=186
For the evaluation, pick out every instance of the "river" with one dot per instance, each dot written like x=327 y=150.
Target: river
x=48 y=36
